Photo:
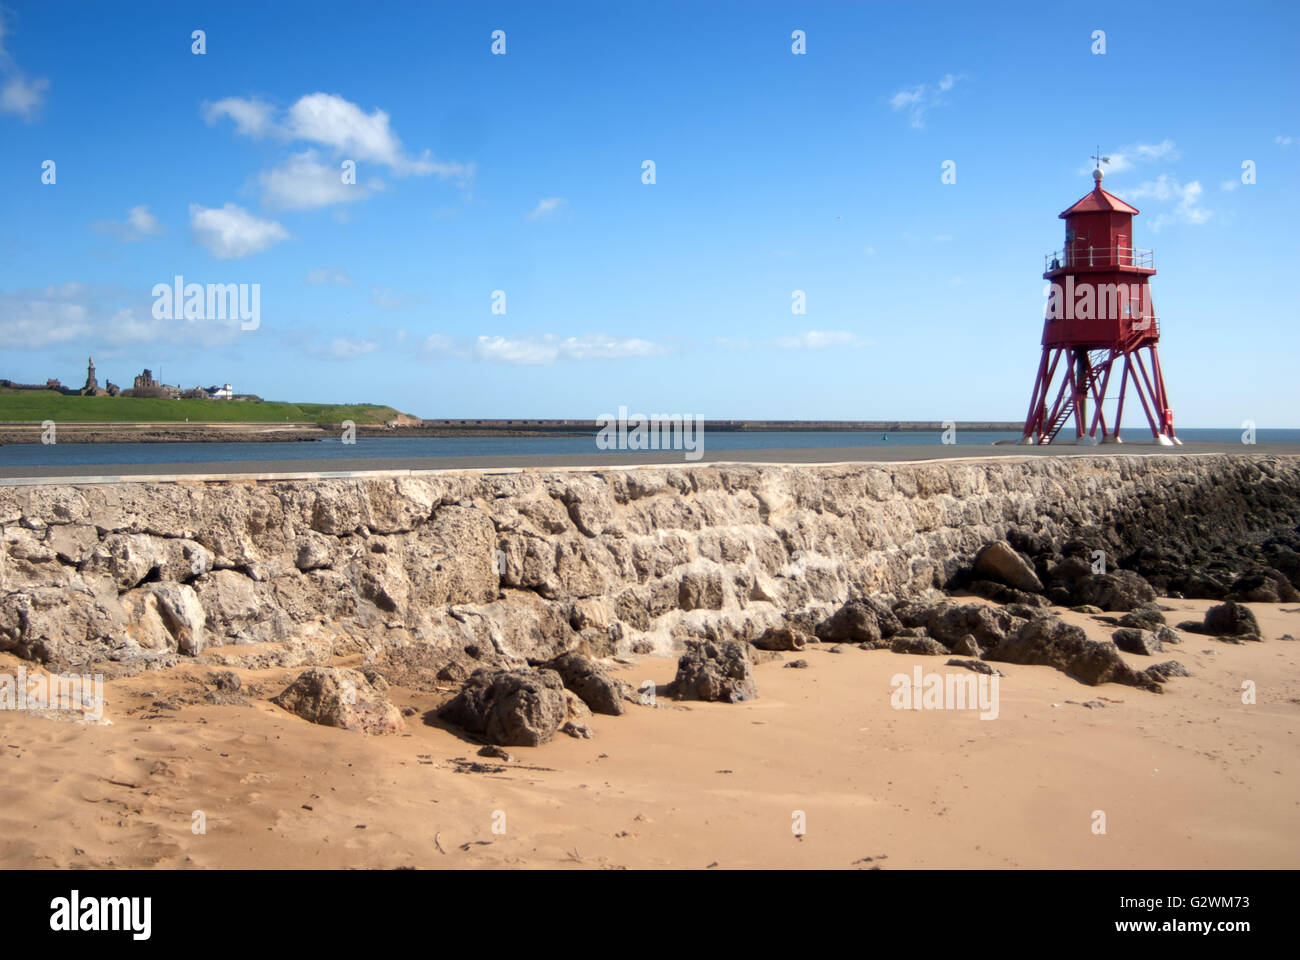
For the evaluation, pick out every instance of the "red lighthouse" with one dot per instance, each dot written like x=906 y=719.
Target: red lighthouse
x=1099 y=320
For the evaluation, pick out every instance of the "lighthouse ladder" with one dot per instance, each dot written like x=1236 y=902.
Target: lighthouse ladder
x=1098 y=361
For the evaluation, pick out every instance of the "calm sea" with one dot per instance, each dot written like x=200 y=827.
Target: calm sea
x=395 y=448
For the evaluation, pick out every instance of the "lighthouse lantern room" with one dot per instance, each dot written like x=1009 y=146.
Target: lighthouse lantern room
x=1099 y=330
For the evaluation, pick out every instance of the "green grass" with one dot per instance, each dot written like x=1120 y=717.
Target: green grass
x=38 y=405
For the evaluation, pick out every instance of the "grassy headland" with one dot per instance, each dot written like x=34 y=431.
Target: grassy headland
x=35 y=406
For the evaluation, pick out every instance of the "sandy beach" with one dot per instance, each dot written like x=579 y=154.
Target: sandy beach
x=1192 y=778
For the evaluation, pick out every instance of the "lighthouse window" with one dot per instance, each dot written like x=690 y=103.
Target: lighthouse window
x=1069 y=236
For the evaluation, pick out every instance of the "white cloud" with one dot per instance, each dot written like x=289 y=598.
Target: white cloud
x=18 y=94
x=1125 y=158
x=924 y=97
x=75 y=312
x=546 y=207
x=501 y=350
x=390 y=299
x=1284 y=141
x=1186 y=199
x=326 y=119
x=232 y=232
x=324 y=276
x=1229 y=185
x=304 y=183
x=22 y=96
x=601 y=346
x=1164 y=187
x=439 y=343
x=1188 y=209
x=1164 y=150
x=40 y=318
x=1161 y=188
x=807 y=340
x=140 y=223
x=330 y=120
x=253 y=118
x=551 y=348
x=905 y=98
x=342 y=348
x=820 y=340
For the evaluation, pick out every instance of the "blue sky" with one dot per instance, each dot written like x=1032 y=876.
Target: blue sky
x=522 y=172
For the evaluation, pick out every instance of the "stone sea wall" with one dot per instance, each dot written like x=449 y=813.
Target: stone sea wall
x=494 y=568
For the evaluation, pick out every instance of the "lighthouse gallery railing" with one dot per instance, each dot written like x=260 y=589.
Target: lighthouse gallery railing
x=1099 y=257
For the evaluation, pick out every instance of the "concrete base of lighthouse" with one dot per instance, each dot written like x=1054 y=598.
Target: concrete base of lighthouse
x=1142 y=440
x=1160 y=441
x=1084 y=441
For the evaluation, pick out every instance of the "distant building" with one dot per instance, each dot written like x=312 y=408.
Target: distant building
x=91 y=389
x=146 y=386
x=47 y=385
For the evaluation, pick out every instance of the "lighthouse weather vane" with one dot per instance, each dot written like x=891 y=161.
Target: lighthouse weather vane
x=1098 y=158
